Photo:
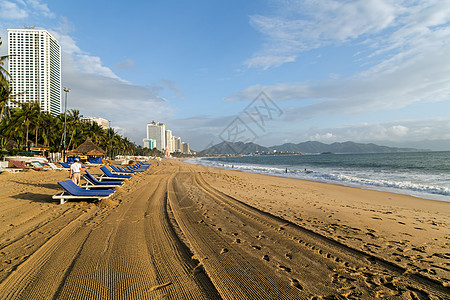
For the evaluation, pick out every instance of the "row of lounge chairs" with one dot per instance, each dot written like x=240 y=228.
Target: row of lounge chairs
x=18 y=166
x=98 y=188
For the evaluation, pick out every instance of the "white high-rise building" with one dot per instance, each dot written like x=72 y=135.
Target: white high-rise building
x=149 y=143
x=169 y=141
x=35 y=67
x=177 y=144
x=185 y=148
x=103 y=123
x=157 y=132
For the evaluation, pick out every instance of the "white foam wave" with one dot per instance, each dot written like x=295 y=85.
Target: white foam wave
x=416 y=185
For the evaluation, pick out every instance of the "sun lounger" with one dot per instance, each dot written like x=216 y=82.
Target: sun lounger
x=116 y=170
x=55 y=167
x=126 y=170
x=141 y=165
x=133 y=169
x=107 y=175
x=38 y=165
x=73 y=191
x=93 y=183
x=10 y=170
x=19 y=164
x=65 y=165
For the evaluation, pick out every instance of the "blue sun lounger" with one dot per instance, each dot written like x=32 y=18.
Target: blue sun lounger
x=93 y=183
x=120 y=171
x=132 y=170
x=65 y=165
x=73 y=191
x=107 y=175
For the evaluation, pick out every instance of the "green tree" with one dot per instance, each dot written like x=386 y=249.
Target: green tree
x=26 y=115
x=5 y=89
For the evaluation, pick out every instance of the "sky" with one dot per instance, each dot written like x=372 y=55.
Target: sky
x=268 y=71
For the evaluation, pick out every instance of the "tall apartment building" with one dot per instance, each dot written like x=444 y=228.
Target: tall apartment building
x=169 y=141
x=35 y=67
x=149 y=143
x=185 y=148
x=157 y=132
x=177 y=144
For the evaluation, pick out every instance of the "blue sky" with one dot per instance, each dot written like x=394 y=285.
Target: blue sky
x=273 y=71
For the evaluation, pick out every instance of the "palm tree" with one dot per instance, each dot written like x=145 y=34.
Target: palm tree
x=47 y=124
x=5 y=89
x=26 y=115
x=95 y=132
x=74 y=125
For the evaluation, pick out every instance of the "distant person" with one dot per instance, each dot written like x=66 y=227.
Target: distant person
x=286 y=170
x=75 y=170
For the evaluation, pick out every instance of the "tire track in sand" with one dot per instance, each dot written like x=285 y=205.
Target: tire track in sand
x=234 y=274
x=129 y=253
x=333 y=268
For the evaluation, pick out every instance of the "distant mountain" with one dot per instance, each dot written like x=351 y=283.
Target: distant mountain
x=234 y=148
x=346 y=147
x=305 y=147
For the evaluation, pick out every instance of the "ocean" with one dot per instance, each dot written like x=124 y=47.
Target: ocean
x=420 y=174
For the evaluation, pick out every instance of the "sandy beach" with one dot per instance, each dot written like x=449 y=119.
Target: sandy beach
x=182 y=231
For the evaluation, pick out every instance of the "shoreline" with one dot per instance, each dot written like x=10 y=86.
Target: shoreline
x=248 y=168
x=196 y=231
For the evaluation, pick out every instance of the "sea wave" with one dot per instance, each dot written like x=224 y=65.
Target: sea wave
x=423 y=186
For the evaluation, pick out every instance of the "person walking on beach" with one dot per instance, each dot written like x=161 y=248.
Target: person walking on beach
x=75 y=170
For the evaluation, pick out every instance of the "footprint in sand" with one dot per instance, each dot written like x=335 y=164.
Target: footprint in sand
x=284 y=268
x=296 y=283
x=256 y=247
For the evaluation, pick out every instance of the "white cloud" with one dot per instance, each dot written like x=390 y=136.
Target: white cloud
x=414 y=68
x=392 y=132
x=39 y=8
x=97 y=91
x=11 y=11
x=302 y=25
x=127 y=65
x=18 y=10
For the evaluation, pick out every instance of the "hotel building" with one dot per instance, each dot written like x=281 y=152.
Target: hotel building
x=169 y=141
x=149 y=143
x=177 y=144
x=185 y=148
x=35 y=67
x=103 y=123
x=157 y=132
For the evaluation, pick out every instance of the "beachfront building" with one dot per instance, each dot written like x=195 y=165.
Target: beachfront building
x=35 y=67
x=157 y=132
x=177 y=144
x=149 y=143
x=169 y=141
x=185 y=148
x=100 y=121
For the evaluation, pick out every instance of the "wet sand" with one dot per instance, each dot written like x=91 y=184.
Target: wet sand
x=181 y=231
